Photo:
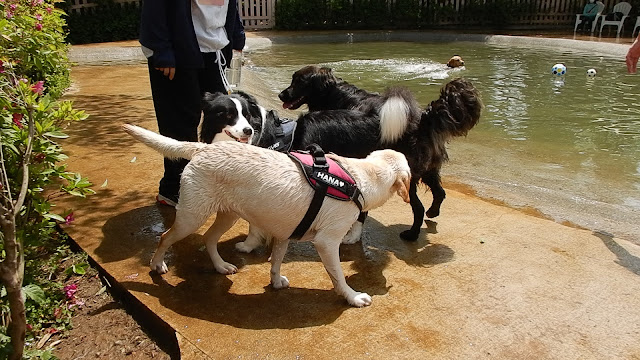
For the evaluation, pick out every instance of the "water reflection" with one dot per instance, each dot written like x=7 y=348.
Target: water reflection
x=554 y=140
x=508 y=102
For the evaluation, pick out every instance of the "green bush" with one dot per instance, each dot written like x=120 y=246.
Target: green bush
x=108 y=21
x=34 y=72
x=33 y=37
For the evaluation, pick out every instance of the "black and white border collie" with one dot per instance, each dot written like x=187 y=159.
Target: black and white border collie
x=353 y=122
x=225 y=118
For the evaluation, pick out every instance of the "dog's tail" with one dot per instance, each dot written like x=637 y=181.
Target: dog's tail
x=170 y=148
x=398 y=108
x=456 y=111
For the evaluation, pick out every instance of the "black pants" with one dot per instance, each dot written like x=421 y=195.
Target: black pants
x=587 y=22
x=178 y=109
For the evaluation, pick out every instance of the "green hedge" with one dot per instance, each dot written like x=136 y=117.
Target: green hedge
x=106 y=22
x=398 y=14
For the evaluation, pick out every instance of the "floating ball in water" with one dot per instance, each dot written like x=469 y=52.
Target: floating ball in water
x=559 y=69
x=591 y=73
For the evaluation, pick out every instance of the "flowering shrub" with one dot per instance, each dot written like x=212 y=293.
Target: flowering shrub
x=33 y=39
x=34 y=71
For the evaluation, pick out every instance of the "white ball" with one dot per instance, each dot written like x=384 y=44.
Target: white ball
x=559 y=70
x=591 y=73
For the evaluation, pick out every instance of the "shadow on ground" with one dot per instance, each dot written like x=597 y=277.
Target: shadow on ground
x=202 y=293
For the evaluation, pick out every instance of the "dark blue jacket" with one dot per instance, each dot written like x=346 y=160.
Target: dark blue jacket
x=166 y=27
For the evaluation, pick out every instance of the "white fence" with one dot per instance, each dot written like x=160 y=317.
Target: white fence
x=255 y=14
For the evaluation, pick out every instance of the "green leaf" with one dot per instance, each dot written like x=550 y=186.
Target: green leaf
x=76 y=193
x=80 y=269
x=35 y=293
x=56 y=134
x=4 y=338
x=13 y=148
x=56 y=217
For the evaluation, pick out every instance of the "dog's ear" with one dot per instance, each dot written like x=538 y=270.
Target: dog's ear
x=247 y=97
x=402 y=185
x=324 y=78
x=207 y=98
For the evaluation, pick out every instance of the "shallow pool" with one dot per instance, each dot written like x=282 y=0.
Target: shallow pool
x=569 y=146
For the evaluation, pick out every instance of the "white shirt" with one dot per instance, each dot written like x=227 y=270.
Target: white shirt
x=209 y=17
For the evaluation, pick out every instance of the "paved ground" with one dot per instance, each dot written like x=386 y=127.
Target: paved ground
x=483 y=280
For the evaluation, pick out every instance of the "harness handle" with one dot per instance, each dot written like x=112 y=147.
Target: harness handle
x=318 y=156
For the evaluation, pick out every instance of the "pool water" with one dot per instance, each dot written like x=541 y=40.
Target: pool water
x=569 y=147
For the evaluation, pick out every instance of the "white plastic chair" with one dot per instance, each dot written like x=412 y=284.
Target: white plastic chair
x=621 y=7
x=633 y=33
x=580 y=19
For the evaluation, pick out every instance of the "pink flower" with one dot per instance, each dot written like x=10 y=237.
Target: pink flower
x=38 y=26
x=39 y=17
x=49 y=10
x=9 y=15
x=13 y=7
x=69 y=219
x=36 y=2
x=17 y=119
x=38 y=87
x=1 y=67
x=70 y=291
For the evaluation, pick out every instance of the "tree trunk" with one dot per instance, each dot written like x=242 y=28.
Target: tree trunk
x=18 y=326
x=11 y=275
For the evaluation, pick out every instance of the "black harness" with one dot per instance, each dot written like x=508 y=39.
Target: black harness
x=284 y=133
x=324 y=183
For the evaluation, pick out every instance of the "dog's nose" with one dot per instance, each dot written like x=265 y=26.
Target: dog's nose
x=282 y=95
x=247 y=131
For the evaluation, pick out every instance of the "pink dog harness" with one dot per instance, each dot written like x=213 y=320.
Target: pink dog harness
x=328 y=178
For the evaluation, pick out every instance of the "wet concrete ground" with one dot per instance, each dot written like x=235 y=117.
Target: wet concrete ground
x=482 y=281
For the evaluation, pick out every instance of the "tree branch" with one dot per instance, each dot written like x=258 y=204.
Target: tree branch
x=25 y=165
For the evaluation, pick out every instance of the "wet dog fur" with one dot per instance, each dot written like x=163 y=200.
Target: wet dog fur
x=267 y=189
x=455 y=61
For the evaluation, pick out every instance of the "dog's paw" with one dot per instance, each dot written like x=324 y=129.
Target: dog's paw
x=244 y=247
x=433 y=212
x=280 y=283
x=360 y=300
x=409 y=235
x=351 y=238
x=160 y=268
x=226 y=269
x=354 y=234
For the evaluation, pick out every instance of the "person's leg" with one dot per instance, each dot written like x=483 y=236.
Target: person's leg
x=177 y=107
x=587 y=22
x=210 y=77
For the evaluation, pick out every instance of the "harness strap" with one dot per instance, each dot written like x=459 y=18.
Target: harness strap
x=321 y=186
x=319 y=161
x=312 y=211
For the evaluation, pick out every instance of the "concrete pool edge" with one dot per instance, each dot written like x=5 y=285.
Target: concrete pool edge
x=129 y=51
x=595 y=45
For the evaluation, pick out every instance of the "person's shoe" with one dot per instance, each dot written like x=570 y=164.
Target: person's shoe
x=165 y=200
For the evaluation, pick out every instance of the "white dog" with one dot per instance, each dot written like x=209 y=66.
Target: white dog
x=267 y=189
